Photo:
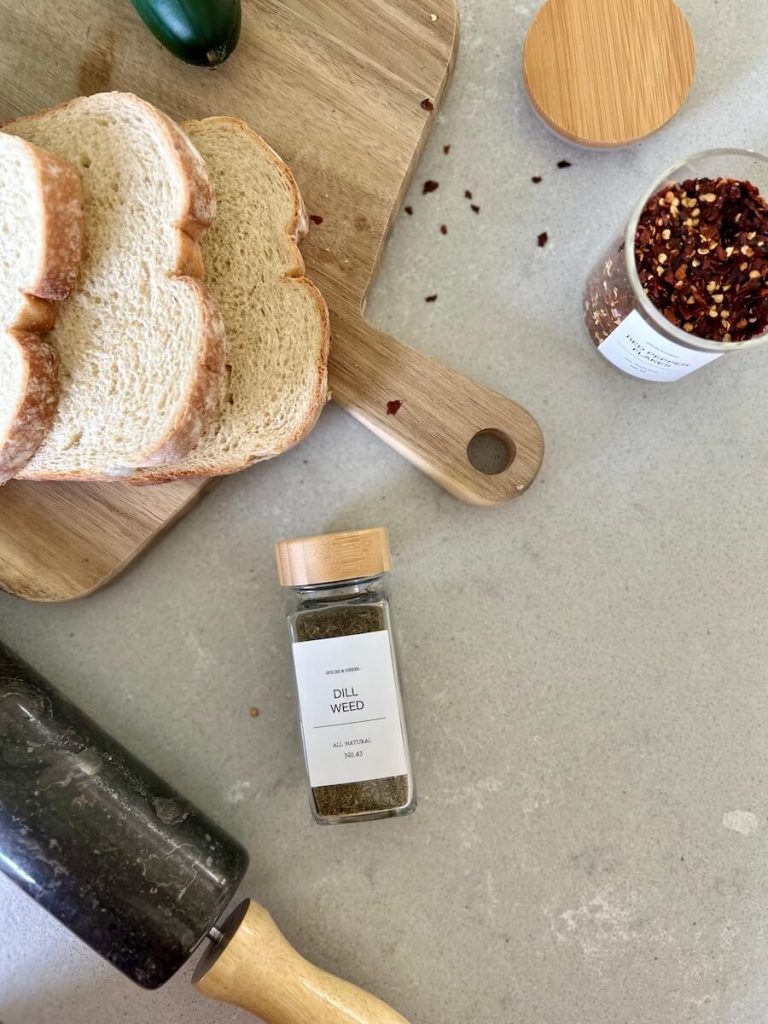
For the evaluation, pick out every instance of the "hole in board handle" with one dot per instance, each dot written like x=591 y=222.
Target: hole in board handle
x=491 y=451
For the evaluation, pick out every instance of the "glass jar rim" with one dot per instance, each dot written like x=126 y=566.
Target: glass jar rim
x=652 y=312
x=338 y=585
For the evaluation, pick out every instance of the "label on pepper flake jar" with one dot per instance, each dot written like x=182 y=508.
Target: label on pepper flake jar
x=637 y=349
x=350 y=712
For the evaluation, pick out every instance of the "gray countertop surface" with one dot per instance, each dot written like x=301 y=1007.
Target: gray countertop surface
x=585 y=668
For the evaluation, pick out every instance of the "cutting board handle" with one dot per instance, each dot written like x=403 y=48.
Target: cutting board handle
x=430 y=414
x=258 y=970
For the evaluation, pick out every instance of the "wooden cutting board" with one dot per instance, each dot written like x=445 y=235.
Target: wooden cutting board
x=345 y=92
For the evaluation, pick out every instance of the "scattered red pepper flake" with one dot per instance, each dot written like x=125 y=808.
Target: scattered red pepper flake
x=430 y=298
x=427 y=104
x=537 y=179
x=443 y=229
x=393 y=407
x=474 y=207
x=409 y=210
x=467 y=194
x=431 y=186
x=543 y=239
x=446 y=150
x=562 y=164
x=316 y=218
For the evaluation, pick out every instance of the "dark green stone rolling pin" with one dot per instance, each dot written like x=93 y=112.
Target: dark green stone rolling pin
x=139 y=873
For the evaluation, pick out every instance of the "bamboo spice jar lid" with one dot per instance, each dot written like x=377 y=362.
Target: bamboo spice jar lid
x=332 y=557
x=608 y=72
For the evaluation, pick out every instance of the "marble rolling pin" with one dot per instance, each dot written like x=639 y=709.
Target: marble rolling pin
x=136 y=871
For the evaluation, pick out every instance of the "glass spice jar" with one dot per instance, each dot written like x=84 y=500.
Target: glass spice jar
x=350 y=702
x=622 y=321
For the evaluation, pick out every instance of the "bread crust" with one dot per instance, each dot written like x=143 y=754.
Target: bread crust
x=296 y=229
x=36 y=408
x=62 y=239
x=198 y=208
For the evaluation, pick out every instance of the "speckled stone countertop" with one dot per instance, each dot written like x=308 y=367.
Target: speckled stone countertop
x=585 y=669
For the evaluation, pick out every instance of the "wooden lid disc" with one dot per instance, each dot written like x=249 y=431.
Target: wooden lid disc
x=608 y=72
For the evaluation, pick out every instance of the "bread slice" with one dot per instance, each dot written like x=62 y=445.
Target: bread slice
x=41 y=230
x=140 y=340
x=277 y=332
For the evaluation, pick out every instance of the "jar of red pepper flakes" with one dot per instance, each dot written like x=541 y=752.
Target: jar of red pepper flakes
x=688 y=281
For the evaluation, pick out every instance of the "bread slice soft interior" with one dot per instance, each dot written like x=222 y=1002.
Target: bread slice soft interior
x=277 y=332
x=40 y=245
x=140 y=341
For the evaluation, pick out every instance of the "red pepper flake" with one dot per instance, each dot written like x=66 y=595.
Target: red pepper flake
x=427 y=105
x=316 y=218
x=467 y=194
x=701 y=251
x=431 y=186
x=537 y=179
x=474 y=207
x=430 y=298
x=543 y=239
x=562 y=164
x=446 y=150
x=393 y=407
x=409 y=210
x=443 y=229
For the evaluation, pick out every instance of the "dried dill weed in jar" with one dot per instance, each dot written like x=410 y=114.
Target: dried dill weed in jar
x=350 y=704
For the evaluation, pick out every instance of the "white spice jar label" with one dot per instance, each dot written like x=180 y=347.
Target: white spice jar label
x=350 y=710
x=637 y=349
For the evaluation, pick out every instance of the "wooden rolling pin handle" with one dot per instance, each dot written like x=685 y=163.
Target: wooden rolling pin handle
x=257 y=969
x=431 y=414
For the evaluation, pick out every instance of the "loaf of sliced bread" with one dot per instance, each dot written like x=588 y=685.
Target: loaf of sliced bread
x=277 y=332
x=140 y=340
x=41 y=229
